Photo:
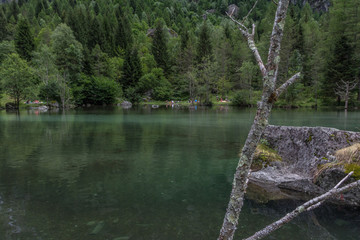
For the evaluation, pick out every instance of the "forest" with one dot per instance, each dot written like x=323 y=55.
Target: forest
x=81 y=52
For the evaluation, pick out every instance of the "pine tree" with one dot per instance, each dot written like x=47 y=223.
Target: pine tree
x=123 y=35
x=132 y=71
x=94 y=33
x=204 y=47
x=24 y=40
x=341 y=67
x=14 y=10
x=159 y=47
x=3 y=24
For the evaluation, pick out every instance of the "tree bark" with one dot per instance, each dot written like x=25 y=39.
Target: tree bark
x=269 y=96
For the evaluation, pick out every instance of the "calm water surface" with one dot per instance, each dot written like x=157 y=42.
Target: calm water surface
x=143 y=174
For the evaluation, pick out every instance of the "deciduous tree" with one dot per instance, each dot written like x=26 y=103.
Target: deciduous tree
x=16 y=77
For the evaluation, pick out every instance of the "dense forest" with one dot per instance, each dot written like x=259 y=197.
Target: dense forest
x=81 y=52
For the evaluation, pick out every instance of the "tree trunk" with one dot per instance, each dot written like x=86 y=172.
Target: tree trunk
x=346 y=95
x=358 y=96
x=269 y=96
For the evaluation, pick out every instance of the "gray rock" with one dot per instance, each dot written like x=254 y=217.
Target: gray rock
x=302 y=150
x=126 y=104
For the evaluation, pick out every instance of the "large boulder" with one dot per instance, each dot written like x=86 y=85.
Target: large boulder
x=310 y=163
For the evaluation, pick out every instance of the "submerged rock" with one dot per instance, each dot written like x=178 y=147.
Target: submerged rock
x=99 y=226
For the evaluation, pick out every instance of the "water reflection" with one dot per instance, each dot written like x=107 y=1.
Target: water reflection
x=137 y=174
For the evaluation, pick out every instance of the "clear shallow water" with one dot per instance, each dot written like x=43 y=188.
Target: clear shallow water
x=143 y=174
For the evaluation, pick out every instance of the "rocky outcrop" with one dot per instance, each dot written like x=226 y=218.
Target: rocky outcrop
x=303 y=150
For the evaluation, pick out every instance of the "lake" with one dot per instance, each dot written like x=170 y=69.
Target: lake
x=144 y=173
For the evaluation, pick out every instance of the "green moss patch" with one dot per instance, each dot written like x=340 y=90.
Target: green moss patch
x=264 y=156
x=353 y=167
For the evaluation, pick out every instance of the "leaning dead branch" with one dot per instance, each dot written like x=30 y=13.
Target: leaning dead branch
x=247 y=15
x=269 y=73
x=309 y=205
x=251 y=42
x=286 y=84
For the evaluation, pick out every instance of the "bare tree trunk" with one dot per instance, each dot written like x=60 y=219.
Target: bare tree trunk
x=343 y=91
x=358 y=96
x=346 y=96
x=269 y=96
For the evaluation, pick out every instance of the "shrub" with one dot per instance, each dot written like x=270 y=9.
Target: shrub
x=241 y=98
x=96 y=91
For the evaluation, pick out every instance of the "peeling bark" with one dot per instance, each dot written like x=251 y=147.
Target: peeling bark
x=269 y=73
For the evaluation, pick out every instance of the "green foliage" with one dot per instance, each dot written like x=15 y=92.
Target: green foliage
x=96 y=91
x=200 y=58
x=159 y=46
x=156 y=84
x=241 y=98
x=6 y=48
x=132 y=71
x=50 y=91
x=340 y=67
x=24 y=40
x=204 y=47
x=67 y=51
x=16 y=77
x=3 y=23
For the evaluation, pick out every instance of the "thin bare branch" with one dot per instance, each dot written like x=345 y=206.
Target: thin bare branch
x=250 y=38
x=242 y=26
x=244 y=19
x=275 y=2
x=309 y=205
x=290 y=81
x=256 y=53
x=344 y=179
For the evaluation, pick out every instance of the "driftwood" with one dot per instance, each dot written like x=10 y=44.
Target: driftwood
x=270 y=93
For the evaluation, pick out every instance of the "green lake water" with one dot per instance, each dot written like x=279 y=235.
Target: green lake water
x=144 y=174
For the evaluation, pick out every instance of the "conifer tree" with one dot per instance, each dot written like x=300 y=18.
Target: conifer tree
x=159 y=46
x=3 y=24
x=204 y=47
x=340 y=68
x=24 y=40
x=14 y=10
x=123 y=35
x=132 y=71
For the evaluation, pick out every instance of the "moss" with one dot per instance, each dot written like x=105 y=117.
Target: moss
x=309 y=138
x=346 y=158
x=264 y=156
x=353 y=167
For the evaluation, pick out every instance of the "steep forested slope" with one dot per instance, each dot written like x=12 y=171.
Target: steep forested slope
x=95 y=52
